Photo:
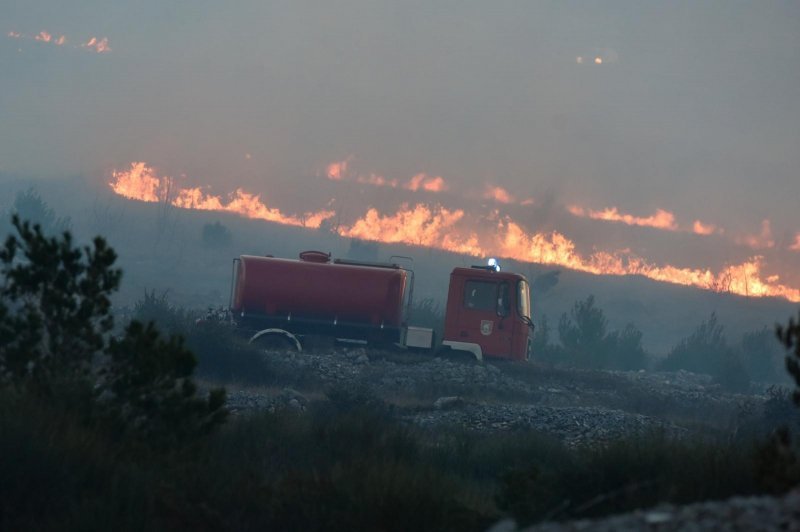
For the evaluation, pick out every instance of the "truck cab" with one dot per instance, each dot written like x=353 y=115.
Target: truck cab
x=488 y=314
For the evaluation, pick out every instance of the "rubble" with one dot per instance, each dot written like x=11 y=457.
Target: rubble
x=579 y=407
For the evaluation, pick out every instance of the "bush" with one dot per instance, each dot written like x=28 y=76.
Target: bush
x=586 y=342
x=157 y=309
x=763 y=356
x=223 y=355
x=216 y=235
x=790 y=337
x=55 y=344
x=30 y=206
x=428 y=313
x=54 y=308
x=706 y=351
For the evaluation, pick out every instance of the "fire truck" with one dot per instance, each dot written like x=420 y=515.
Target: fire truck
x=293 y=300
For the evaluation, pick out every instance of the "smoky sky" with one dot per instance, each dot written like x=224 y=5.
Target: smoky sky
x=694 y=108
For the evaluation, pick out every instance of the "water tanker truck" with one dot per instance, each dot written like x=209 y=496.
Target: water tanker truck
x=293 y=300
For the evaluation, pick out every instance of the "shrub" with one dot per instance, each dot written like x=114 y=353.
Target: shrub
x=763 y=356
x=428 y=313
x=157 y=309
x=30 y=206
x=216 y=235
x=706 y=351
x=586 y=342
x=54 y=307
x=152 y=397
x=790 y=337
x=54 y=335
x=224 y=355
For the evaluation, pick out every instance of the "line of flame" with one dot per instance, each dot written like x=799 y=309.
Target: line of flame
x=140 y=182
x=662 y=219
x=100 y=45
x=437 y=227
x=442 y=228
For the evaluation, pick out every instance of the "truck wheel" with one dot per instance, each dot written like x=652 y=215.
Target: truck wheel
x=276 y=340
x=456 y=355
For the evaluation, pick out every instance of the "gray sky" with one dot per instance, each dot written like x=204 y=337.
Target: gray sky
x=694 y=109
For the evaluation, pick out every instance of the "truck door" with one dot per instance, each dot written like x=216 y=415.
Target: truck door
x=484 y=316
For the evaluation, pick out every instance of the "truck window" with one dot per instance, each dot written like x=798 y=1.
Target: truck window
x=480 y=295
x=503 y=301
x=523 y=299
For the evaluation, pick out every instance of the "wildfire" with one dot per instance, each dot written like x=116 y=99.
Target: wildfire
x=763 y=240
x=498 y=194
x=450 y=229
x=140 y=182
x=339 y=171
x=97 y=45
x=660 y=220
x=796 y=245
x=426 y=182
x=700 y=228
x=417 y=226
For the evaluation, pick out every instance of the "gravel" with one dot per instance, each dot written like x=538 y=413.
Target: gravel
x=752 y=514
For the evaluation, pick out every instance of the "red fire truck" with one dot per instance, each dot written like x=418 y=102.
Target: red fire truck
x=487 y=313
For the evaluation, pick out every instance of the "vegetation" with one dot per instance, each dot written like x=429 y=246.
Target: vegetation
x=706 y=351
x=216 y=235
x=109 y=431
x=29 y=205
x=55 y=345
x=586 y=342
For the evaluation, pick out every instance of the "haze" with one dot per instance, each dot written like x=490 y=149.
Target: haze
x=686 y=107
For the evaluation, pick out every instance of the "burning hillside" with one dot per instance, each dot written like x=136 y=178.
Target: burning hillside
x=469 y=230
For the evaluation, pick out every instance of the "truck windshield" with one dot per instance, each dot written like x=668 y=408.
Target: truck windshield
x=524 y=300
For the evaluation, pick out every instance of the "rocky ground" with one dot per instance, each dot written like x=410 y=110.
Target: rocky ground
x=579 y=407
x=746 y=514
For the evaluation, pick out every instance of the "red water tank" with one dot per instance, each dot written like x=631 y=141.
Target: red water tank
x=316 y=288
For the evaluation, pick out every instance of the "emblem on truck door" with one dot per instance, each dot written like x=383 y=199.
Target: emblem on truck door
x=486 y=327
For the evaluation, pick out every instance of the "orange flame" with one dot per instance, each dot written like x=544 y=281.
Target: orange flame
x=438 y=227
x=796 y=245
x=554 y=248
x=98 y=45
x=700 y=228
x=339 y=171
x=336 y=171
x=141 y=183
x=44 y=36
x=448 y=229
x=426 y=182
x=376 y=180
x=498 y=194
x=660 y=220
x=763 y=240
x=420 y=226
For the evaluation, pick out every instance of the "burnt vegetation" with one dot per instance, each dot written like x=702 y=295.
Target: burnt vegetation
x=107 y=425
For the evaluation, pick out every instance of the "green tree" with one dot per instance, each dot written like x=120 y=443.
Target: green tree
x=707 y=351
x=54 y=306
x=584 y=329
x=55 y=320
x=586 y=341
x=790 y=337
x=30 y=206
x=762 y=355
x=152 y=396
x=216 y=235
